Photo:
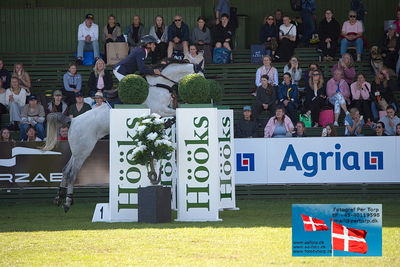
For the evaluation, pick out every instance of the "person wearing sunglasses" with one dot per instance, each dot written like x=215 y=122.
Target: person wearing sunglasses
x=352 y=34
x=329 y=32
x=269 y=34
x=380 y=129
x=178 y=36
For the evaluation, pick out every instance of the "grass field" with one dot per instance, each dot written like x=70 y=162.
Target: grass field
x=38 y=234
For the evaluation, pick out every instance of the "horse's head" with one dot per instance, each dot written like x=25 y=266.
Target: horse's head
x=176 y=71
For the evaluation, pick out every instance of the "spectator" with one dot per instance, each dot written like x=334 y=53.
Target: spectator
x=307 y=16
x=269 y=70
x=300 y=130
x=353 y=123
x=3 y=102
x=100 y=79
x=265 y=98
x=246 y=127
x=111 y=32
x=390 y=47
x=5 y=135
x=287 y=40
x=63 y=133
x=380 y=129
x=23 y=76
x=361 y=93
x=5 y=75
x=88 y=36
x=72 y=83
x=398 y=129
x=315 y=96
x=279 y=125
x=222 y=7
x=178 y=36
x=329 y=32
x=135 y=32
x=338 y=93
x=294 y=69
x=397 y=21
x=346 y=65
x=15 y=100
x=288 y=95
x=194 y=56
x=278 y=18
x=311 y=68
x=382 y=92
x=358 y=7
x=269 y=34
x=57 y=104
x=201 y=37
x=329 y=131
x=135 y=60
x=352 y=34
x=79 y=107
x=32 y=115
x=31 y=135
x=160 y=32
x=222 y=33
x=390 y=121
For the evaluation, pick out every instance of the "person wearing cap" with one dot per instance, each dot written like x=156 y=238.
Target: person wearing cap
x=32 y=115
x=134 y=62
x=178 y=35
x=265 y=98
x=390 y=47
x=99 y=100
x=57 y=104
x=88 y=35
x=246 y=127
x=79 y=107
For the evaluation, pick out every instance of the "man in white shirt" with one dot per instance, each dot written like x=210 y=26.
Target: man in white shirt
x=88 y=35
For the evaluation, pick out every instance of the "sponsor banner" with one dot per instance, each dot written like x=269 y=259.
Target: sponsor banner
x=337 y=230
x=169 y=173
x=332 y=160
x=198 y=180
x=251 y=160
x=226 y=159
x=23 y=165
x=125 y=177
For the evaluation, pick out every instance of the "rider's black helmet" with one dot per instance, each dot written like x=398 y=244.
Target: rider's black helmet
x=147 y=39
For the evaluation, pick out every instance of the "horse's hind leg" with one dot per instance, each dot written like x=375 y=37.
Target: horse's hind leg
x=60 y=197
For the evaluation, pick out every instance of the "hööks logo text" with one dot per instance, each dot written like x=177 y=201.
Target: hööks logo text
x=313 y=162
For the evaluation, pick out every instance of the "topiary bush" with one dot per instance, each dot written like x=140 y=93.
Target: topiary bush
x=133 y=89
x=215 y=91
x=194 y=89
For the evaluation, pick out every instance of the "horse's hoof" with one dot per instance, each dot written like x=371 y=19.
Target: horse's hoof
x=66 y=208
x=57 y=201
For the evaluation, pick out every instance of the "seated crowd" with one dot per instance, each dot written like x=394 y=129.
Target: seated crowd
x=302 y=98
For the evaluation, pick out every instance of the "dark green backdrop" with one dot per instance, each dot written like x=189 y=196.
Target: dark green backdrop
x=51 y=25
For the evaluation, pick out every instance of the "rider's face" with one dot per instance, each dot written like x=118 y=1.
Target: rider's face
x=152 y=46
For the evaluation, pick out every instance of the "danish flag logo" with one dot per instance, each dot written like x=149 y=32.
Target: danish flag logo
x=245 y=162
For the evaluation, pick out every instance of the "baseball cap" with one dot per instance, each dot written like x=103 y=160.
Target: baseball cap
x=98 y=95
x=32 y=97
x=57 y=92
x=89 y=16
x=246 y=108
x=77 y=94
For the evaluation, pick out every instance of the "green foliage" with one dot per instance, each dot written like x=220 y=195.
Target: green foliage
x=133 y=89
x=215 y=91
x=194 y=89
x=152 y=143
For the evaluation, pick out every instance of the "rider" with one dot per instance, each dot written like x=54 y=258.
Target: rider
x=135 y=60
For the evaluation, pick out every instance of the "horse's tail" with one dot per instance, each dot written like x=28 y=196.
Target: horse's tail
x=54 y=121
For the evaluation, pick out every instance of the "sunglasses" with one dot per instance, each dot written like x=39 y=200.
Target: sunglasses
x=178 y=20
x=352 y=16
x=315 y=74
x=379 y=127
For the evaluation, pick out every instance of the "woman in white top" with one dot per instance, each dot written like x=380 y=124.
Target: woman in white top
x=194 y=56
x=287 y=40
x=293 y=68
x=15 y=100
x=267 y=69
x=3 y=105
